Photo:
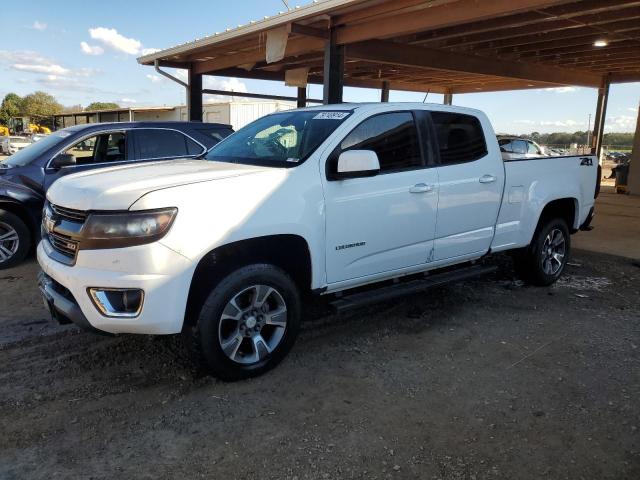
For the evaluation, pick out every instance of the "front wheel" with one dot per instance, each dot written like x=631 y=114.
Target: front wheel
x=15 y=240
x=247 y=324
x=544 y=260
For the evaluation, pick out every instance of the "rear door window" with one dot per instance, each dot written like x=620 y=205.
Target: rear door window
x=519 y=146
x=158 y=143
x=216 y=134
x=533 y=149
x=460 y=137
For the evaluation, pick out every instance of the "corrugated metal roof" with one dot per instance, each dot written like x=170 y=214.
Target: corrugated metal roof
x=296 y=14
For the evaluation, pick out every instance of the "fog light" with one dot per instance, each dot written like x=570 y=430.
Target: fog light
x=117 y=302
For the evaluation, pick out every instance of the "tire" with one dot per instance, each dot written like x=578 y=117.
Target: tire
x=15 y=240
x=260 y=292
x=543 y=262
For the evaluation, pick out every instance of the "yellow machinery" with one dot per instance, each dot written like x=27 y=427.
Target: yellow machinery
x=4 y=131
x=33 y=128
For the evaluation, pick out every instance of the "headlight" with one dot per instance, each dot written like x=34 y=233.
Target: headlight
x=126 y=229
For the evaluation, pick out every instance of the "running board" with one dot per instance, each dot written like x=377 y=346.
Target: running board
x=389 y=292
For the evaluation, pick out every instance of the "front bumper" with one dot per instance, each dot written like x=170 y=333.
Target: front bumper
x=164 y=276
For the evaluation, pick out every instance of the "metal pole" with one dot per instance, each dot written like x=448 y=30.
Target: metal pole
x=302 y=97
x=448 y=98
x=264 y=96
x=633 y=181
x=194 y=96
x=588 y=132
x=384 y=93
x=333 y=71
x=601 y=113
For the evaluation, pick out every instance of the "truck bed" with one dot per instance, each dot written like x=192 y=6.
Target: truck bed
x=531 y=183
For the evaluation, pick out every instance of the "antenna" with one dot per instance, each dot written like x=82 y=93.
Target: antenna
x=286 y=4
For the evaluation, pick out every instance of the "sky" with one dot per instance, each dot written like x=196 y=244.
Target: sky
x=85 y=51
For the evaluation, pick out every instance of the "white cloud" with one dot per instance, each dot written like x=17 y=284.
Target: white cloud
x=91 y=49
x=50 y=69
x=112 y=39
x=622 y=123
x=149 y=51
x=550 y=123
x=39 y=25
x=561 y=89
x=128 y=100
x=154 y=78
x=227 y=84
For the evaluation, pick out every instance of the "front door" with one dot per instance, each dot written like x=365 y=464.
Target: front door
x=385 y=222
x=103 y=149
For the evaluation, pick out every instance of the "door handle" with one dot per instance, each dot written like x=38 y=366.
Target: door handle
x=488 y=179
x=421 y=188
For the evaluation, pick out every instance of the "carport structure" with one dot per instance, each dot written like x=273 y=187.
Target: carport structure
x=441 y=46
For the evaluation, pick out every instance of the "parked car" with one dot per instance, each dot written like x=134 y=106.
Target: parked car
x=27 y=174
x=14 y=144
x=514 y=147
x=311 y=201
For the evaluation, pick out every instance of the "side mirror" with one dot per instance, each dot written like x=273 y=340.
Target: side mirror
x=357 y=163
x=63 y=160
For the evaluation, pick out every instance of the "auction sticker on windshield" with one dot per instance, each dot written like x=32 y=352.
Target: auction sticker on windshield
x=331 y=115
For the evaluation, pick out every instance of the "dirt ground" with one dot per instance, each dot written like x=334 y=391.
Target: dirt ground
x=483 y=379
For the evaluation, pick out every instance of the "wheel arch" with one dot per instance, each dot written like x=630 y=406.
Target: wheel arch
x=566 y=208
x=287 y=251
x=23 y=213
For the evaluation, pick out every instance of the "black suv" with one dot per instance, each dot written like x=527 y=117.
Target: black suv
x=26 y=175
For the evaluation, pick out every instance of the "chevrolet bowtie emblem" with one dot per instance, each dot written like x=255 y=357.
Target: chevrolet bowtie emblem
x=49 y=223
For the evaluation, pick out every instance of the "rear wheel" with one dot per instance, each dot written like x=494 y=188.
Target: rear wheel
x=15 y=240
x=544 y=260
x=247 y=324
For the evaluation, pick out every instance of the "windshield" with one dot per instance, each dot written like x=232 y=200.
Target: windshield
x=281 y=139
x=30 y=153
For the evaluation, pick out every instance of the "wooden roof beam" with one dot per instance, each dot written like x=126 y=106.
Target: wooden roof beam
x=437 y=16
x=408 y=55
x=539 y=18
x=295 y=47
x=609 y=30
x=600 y=22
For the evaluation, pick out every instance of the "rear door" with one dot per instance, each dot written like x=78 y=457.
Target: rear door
x=161 y=144
x=385 y=222
x=471 y=180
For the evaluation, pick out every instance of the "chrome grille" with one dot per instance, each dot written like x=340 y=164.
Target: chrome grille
x=77 y=216
x=63 y=244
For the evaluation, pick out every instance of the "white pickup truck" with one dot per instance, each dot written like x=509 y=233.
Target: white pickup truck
x=310 y=201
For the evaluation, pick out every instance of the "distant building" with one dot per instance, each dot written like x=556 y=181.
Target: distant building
x=235 y=113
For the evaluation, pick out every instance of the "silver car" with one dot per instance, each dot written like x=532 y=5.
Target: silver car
x=516 y=147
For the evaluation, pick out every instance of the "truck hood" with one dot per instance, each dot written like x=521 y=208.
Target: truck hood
x=117 y=188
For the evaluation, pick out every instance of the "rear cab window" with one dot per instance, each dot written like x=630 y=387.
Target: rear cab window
x=460 y=137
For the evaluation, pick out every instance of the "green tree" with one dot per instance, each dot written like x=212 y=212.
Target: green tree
x=40 y=105
x=101 y=106
x=11 y=107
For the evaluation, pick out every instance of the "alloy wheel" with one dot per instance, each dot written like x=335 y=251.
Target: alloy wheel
x=553 y=252
x=252 y=324
x=9 y=242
